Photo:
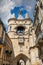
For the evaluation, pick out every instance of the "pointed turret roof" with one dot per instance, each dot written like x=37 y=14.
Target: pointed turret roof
x=26 y=15
x=20 y=17
x=12 y=16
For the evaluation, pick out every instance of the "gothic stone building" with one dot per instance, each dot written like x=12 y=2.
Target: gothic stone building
x=23 y=44
x=22 y=34
x=38 y=27
x=5 y=46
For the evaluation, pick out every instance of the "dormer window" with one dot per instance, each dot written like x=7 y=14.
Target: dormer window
x=20 y=30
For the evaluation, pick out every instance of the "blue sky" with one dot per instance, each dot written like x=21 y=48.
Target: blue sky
x=9 y=7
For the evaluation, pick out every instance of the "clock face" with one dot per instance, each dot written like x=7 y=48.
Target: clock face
x=20 y=29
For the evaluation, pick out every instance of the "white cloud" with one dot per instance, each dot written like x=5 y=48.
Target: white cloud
x=29 y=4
x=28 y=8
x=5 y=7
x=18 y=2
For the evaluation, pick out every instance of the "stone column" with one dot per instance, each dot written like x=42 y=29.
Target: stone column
x=32 y=38
x=28 y=62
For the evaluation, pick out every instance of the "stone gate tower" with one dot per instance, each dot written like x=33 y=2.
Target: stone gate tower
x=22 y=35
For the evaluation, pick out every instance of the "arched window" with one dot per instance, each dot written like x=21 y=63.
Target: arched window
x=20 y=29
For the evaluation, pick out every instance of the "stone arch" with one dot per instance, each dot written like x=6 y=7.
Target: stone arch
x=20 y=58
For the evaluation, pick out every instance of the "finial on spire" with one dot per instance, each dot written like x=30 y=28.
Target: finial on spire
x=26 y=15
x=20 y=14
x=20 y=11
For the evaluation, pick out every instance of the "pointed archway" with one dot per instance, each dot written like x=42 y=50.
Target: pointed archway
x=20 y=59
